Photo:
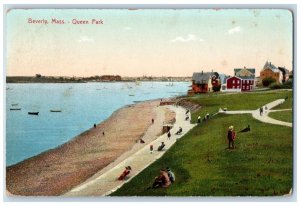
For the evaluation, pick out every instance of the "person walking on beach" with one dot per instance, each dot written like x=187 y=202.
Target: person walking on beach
x=231 y=137
x=152 y=120
x=103 y=133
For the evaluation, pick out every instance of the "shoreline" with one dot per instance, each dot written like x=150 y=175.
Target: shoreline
x=58 y=170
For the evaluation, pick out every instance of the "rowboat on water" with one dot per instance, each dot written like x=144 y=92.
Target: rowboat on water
x=15 y=109
x=33 y=113
x=14 y=104
x=53 y=110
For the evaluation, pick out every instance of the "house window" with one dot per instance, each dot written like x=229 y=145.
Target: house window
x=247 y=87
x=233 y=81
x=238 y=81
x=243 y=87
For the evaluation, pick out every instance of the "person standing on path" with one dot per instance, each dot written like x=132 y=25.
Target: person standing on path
x=231 y=137
x=169 y=135
x=151 y=149
x=260 y=111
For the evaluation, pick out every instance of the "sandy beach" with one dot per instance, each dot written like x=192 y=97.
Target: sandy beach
x=56 y=171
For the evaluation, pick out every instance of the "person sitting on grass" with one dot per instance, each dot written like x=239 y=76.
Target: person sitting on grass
x=179 y=131
x=199 y=120
x=125 y=173
x=171 y=175
x=247 y=129
x=162 y=181
x=160 y=148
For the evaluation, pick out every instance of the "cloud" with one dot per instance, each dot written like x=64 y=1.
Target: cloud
x=127 y=28
x=85 y=39
x=188 y=38
x=236 y=29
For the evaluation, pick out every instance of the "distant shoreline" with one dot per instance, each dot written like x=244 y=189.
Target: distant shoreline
x=102 y=79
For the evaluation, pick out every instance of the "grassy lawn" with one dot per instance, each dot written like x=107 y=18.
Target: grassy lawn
x=261 y=164
x=240 y=101
x=286 y=116
x=288 y=104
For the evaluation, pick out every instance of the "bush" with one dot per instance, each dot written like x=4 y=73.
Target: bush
x=268 y=81
x=275 y=86
x=286 y=85
x=216 y=88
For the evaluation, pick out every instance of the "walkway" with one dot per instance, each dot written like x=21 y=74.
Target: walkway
x=264 y=117
x=102 y=184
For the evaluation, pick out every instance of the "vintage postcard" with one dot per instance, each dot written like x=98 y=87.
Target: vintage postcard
x=149 y=102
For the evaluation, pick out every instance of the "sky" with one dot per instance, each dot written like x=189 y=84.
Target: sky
x=153 y=42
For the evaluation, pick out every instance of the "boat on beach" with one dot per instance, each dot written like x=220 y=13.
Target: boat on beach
x=33 y=113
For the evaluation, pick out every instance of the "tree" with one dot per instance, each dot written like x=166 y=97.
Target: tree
x=267 y=81
x=38 y=75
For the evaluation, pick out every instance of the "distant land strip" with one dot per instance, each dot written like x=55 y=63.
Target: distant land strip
x=104 y=78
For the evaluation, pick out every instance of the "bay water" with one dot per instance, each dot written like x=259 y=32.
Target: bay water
x=81 y=105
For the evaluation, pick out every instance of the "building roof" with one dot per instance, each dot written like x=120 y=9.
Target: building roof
x=283 y=70
x=233 y=77
x=251 y=70
x=269 y=65
x=201 y=77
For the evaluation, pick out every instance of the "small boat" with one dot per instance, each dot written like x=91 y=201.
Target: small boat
x=14 y=104
x=15 y=109
x=131 y=95
x=33 y=113
x=54 y=110
x=137 y=101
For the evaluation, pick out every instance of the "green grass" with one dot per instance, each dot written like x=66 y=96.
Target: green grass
x=288 y=104
x=211 y=103
x=261 y=164
x=286 y=116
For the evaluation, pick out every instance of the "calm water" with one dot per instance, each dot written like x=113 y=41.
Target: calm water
x=82 y=105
